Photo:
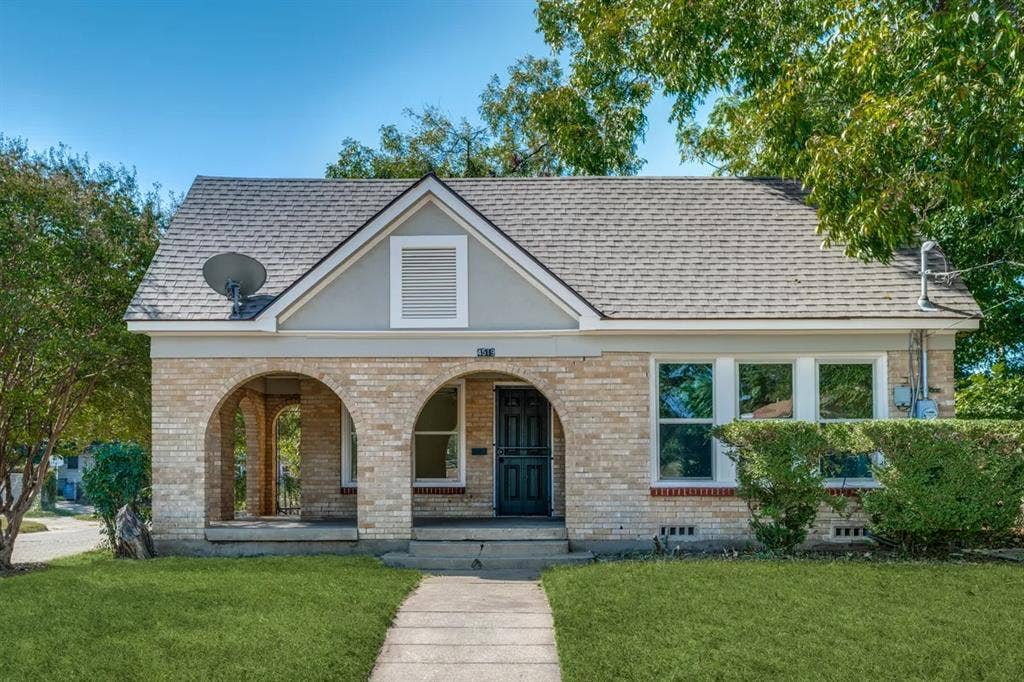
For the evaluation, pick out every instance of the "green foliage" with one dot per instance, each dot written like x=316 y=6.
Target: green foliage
x=535 y=124
x=119 y=476
x=240 y=460
x=946 y=483
x=778 y=467
x=75 y=241
x=904 y=119
x=996 y=394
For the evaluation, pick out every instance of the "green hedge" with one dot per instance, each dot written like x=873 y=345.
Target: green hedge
x=944 y=483
x=778 y=471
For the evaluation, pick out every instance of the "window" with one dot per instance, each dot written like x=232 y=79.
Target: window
x=765 y=390
x=71 y=462
x=428 y=281
x=437 y=438
x=349 y=449
x=846 y=393
x=685 y=418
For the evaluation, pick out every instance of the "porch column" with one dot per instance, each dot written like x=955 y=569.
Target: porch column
x=384 y=495
x=320 y=450
x=254 y=411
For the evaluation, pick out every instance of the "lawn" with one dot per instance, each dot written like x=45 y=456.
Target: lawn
x=26 y=526
x=91 y=617
x=722 y=619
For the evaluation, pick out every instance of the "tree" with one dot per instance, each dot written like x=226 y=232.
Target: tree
x=74 y=244
x=995 y=394
x=904 y=118
x=535 y=124
x=119 y=476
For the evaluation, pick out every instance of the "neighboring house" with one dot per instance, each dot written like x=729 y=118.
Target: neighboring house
x=69 y=475
x=557 y=347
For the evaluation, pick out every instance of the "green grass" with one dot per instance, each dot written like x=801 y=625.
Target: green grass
x=705 y=619
x=92 y=617
x=48 y=513
x=26 y=526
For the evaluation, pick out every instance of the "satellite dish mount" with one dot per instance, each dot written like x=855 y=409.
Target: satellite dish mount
x=235 y=276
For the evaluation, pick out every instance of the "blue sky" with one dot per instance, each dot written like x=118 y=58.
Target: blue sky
x=262 y=89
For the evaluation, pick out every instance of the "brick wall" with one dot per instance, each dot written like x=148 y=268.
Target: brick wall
x=603 y=409
x=941 y=379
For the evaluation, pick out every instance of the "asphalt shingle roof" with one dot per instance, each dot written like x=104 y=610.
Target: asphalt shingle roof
x=635 y=248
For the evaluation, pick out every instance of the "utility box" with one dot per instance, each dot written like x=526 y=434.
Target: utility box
x=902 y=396
x=926 y=409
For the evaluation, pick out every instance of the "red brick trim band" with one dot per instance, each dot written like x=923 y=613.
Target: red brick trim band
x=348 y=490
x=847 y=492
x=453 y=490
x=693 y=491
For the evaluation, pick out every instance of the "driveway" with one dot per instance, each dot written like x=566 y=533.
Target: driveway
x=66 y=536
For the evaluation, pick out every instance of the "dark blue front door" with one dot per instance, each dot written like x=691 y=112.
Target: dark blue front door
x=523 y=452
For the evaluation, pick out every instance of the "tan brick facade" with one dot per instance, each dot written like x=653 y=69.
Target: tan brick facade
x=601 y=437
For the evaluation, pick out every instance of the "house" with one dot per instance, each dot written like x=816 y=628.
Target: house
x=487 y=359
x=69 y=474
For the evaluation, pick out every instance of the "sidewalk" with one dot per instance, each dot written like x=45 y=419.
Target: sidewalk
x=475 y=627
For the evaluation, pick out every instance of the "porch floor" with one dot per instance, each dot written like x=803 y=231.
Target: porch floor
x=282 y=529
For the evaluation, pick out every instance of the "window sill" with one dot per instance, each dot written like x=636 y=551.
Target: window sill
x=851 y=488
x=438 y=490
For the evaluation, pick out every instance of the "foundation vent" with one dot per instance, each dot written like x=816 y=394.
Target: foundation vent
x=679 y=532
x=849 y=534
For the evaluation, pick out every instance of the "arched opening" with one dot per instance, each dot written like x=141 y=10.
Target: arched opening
x=487 y=444
x=288 y=464
x=280 y=444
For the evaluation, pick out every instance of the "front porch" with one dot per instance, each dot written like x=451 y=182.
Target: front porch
x=290 y=459
x=450 y=529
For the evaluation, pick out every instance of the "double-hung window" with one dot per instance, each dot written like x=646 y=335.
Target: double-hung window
x=846 y=393
x=765 y=390
x=437 y=438
x=686 y=415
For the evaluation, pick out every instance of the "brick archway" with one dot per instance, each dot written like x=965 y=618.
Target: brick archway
x=490 y=365
x=215 y=437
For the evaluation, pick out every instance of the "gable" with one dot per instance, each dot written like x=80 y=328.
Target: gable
x=500 y=297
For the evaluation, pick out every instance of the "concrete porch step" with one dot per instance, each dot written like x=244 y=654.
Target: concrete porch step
x=494 y=563
x=488 y=548
x=484 y=533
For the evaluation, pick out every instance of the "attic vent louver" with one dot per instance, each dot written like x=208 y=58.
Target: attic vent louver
x=428 y=281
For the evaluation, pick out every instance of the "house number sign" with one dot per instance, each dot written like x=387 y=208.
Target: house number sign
x=485 y=352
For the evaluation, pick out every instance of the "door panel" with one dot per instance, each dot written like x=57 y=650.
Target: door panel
x=523 y=452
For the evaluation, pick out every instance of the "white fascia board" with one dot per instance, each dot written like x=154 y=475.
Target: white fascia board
x=383 y=220
x=772 y=325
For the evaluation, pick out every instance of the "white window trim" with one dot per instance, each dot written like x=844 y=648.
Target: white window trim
x=461 y=428
x=725 y=387
x=879 y=407
x=460 y=244
x=793 y=388
x=347 y=428
x=722 y=474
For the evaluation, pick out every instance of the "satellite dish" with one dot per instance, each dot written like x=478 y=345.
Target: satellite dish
x=234 y=275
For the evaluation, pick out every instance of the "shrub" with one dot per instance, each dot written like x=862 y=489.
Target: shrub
x=946 y=483
x=778 y=467
x=119 y=476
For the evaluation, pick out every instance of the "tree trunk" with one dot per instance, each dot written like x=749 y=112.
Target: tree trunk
x=132 y=535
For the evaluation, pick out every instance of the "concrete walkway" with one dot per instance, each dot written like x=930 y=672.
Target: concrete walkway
x=474 y=627
x=66 y=536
